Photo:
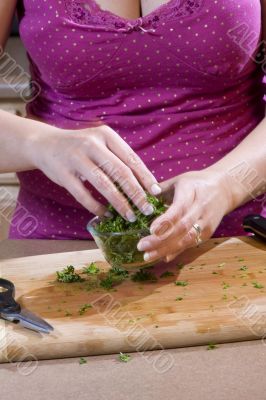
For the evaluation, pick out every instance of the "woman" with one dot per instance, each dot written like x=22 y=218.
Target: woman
x=175 y=84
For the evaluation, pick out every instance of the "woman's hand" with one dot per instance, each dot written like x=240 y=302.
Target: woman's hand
x=201 y=198
x=99 y=156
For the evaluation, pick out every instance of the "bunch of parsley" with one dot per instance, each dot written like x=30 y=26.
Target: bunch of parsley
x=122 y=249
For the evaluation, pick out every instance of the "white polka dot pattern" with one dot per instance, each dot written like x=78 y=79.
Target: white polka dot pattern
x=174 y=84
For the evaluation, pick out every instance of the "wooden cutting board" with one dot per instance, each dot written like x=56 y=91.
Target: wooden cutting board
x=223 y=301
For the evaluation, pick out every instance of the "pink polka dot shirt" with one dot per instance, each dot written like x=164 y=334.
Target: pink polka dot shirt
x=179 y=85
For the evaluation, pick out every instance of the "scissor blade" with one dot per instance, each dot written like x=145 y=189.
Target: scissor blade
x=29 y=320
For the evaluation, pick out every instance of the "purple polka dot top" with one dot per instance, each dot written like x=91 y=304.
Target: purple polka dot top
x=179 y=85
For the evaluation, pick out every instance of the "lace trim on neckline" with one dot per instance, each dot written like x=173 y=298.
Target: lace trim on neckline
x=92 y=15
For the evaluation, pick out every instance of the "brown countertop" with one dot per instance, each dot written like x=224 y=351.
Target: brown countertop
x=232 y=371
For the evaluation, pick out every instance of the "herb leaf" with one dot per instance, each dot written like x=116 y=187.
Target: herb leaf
x=181 y=283
x=257 y=285
x=68 y=275
x=92 y=269
x=84 y=308
x=166 y=274
x=124 y=357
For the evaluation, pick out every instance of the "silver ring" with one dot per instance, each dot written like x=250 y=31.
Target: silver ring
x=198 y=232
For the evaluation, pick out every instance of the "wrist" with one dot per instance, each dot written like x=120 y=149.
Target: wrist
x=36 y=143
x=227 y=188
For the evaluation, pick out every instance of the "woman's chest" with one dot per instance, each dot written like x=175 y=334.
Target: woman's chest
x=76 y=42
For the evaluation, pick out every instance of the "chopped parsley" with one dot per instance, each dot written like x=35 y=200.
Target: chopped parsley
x=181 y=283
x=144 y=275
x=212 y=346
x=122 y=249
x=82 y=361
x=84 y=308
x=257 y=285
x=221 y=265
x=124 y=357
x=166 y=274
x=92 y=269
x=68 y=275
x=243 y=268
x=226 y=285
x=68 y=314
x=179 y=298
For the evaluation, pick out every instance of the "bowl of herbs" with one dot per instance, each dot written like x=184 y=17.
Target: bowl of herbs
x=118 y=238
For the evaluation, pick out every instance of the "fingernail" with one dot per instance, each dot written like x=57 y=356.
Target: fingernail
x=155 y=189
x=146 y=256
x=108 y=214
x=148 y=210
x=131 y=216
x=142 y=246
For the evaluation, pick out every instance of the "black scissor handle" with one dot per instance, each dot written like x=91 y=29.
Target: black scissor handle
x=7 y=301
x=255 y=224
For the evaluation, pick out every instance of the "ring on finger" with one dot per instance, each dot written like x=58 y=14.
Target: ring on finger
x=198 y=238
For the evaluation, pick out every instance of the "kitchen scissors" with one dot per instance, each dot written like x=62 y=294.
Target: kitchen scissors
x=10 y=310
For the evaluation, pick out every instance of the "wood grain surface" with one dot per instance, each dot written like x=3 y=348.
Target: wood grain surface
x=224 y=301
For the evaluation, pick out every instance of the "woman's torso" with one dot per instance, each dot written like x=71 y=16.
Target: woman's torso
x=180 y=85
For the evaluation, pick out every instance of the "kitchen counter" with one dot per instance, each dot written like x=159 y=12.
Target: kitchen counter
x=232 y=371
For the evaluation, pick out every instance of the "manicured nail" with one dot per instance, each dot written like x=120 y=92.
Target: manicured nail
x=142 y=246
x=155 y=189
x=108 y=214
x=131 y=216
x=148 y=210
x=146 y=256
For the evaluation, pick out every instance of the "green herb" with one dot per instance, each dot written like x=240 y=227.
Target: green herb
x=181 y=283
x=215 y=273
x=224 y=297
x=225 y=285
x=257 y=285
x=241 y=259
x=221 y=265
x=114 y=277
x=68 y=275
x=212 y=346
x=166 y=274
x=144 y=275
x=84 y=308
x=122 y=249
x=92 y=269
x=68 y=314
x=116 y=271
x=180 y=266
x=107 y=283
x=244 y=268
x=124 y=357
x=179 y=298
x=82 y=361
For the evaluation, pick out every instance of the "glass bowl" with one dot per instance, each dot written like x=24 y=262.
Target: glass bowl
x=120 y=248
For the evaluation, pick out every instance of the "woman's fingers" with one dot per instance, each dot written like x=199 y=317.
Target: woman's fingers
x=123 y=151
x=175 y=247
x=175 y=232
x=118 y=172
x=172 y=220
x=82 y=195
x=105 y=186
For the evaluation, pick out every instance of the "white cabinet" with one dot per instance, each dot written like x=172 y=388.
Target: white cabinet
x=8 y=197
